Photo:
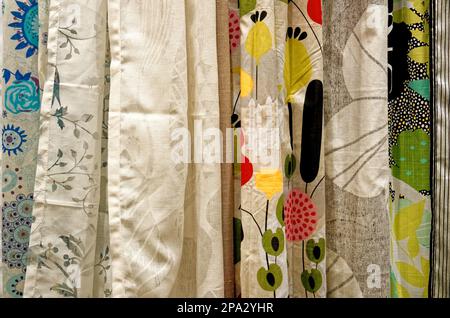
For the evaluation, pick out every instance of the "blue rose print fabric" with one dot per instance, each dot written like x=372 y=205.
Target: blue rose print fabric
x=20 y=126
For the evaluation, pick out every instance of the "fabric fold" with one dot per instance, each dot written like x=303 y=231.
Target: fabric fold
x=165 y=212
x=20 y=134
x=440 y=76
x=356 y=148
x=63 y=240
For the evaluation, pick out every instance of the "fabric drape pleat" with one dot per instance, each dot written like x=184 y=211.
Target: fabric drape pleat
x=263 y=266
x=64 y=231
x=1 y=153
x=20 y=133
x=440 y=249
x=234 y=35
x=227 y=148
x=224 y=73
x=165 y=216
x=410 y=147
x=356 y=148
x=282 y=167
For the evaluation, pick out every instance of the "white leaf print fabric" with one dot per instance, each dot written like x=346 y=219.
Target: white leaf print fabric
x=356 y=158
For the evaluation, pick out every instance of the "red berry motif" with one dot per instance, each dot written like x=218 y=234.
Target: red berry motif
x=300 y=216
x=246 y=171
x=234 y=30
x=315 y=10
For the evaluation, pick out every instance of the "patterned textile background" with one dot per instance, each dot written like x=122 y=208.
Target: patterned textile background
x=227 y=148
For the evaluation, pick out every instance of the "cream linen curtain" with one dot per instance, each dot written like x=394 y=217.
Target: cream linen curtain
x=165 y=218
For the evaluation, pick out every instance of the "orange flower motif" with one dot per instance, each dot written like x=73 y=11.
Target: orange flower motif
x=269 y=181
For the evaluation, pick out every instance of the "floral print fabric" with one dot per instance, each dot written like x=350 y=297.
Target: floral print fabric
x=410 y=147
x=280 y=219
x=113 y=185
x=20 y=135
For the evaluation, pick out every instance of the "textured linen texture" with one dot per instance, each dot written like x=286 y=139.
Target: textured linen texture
x=356 y=147
x=165 y=217
x=440 y=271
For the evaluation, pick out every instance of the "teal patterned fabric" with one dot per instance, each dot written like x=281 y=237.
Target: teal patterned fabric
x=20 y=127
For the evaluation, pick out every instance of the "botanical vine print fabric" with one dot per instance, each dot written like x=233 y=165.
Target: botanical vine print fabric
x=280 y=220
x=440 y=75
x=62 y=260
x=164 y=214
x=20 y=124
x=356 y=148
x=409 y=140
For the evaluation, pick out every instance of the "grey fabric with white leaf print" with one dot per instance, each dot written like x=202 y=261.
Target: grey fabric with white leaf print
x=356 y=147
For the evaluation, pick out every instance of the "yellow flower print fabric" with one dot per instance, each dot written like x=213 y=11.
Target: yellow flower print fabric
x=282 y=171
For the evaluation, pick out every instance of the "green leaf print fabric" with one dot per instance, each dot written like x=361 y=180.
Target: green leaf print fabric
x=410 y=147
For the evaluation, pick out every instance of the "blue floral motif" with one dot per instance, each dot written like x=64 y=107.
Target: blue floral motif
x=26 y=21
x=22 y=96
x=17 y=219
x=12 y=139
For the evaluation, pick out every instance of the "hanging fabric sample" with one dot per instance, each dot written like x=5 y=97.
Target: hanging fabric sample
x=234 y=35
x=164 y=214
x=20 y=131
x=225 y=92
x=263 y=265
x=1 y=153
x=410 y=146
x=356 y=148
x=63 y=241
x=440 y=249
x=282 y=41
x=304 y=166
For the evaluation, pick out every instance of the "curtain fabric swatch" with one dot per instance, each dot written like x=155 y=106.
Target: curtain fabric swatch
x=410 y=146
x=356 y=148
x=440 y=274
x=227 y=183
x=20 y=131
x=63 y=240
x=227 y=148
x=281 y=108
x=165 y=218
